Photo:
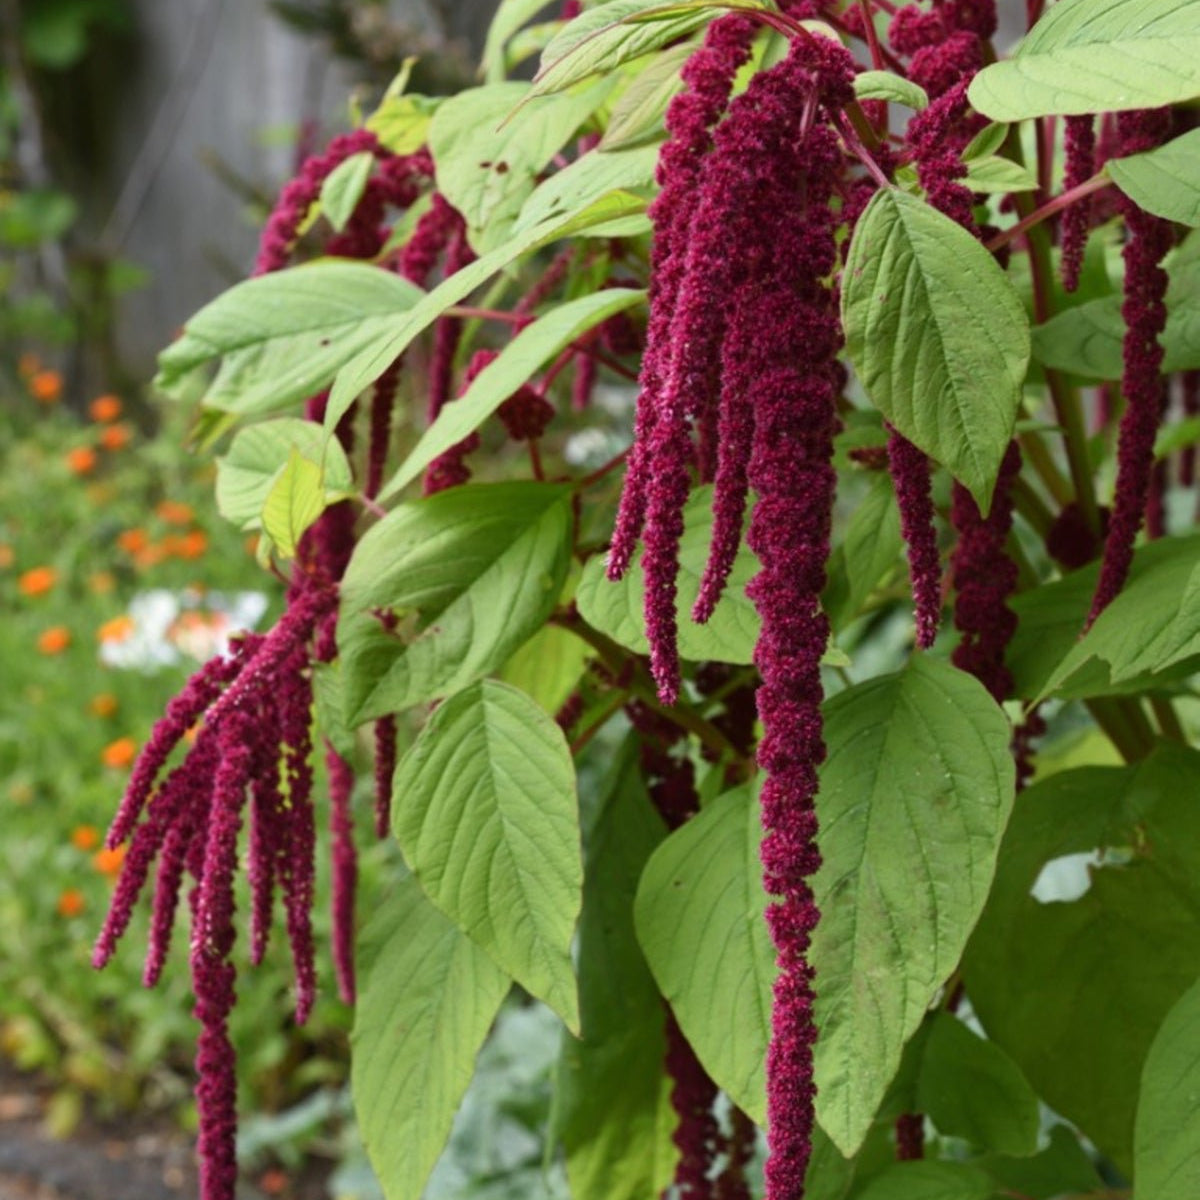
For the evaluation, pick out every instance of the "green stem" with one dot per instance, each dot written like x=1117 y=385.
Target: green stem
x=1167 y=718
x=1124 y=724
x=1033 y=449
x=1032 y=507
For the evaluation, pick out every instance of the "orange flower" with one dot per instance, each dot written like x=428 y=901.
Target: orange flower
x=116 y=630
x=116 y=437
x=174 y=512
x=101 y=582
x=119 y=754
x=81 y=460
x=149 y=556
x=6 y=555
x=37 y=581
x=46 y=386
x=103 y=705
x=54 y=640
x=108 y=862
x=193 y=545
x=85 y=837
x=133 y=540
x=105 y=409
x=71 y=903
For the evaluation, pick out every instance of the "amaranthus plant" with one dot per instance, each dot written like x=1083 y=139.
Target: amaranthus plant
x=737 y=493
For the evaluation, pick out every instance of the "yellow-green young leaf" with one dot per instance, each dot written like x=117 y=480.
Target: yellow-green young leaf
x=637 y=115
x=1087 y=56
x=257 y=455
x=937 y=335
x=491 y=142
x=579 y=185
x=295 y=500
x=615 y=609
x=509 y=18
x=471 y=573
x=484 y=809
x=401 y=122
x=535 y=346
x=613 y=1096
x=971 y=1089
x=606 y=217
x=931 y=1180
x=548 y=666
x=884 y=85
x=700 y=921
x=993 y=174
x=284 y=336
x=1099 y=865
x=1166 y=1163
x=1152 y=625
x=428 y=996
x=1165 y=181
x=604 y=37
x=343 y=188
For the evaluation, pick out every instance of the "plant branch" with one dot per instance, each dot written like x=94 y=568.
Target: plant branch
x=1082 y=191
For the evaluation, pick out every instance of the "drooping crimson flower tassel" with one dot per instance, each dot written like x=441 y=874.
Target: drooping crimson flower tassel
x=984 y=577
x=385 y=768
x=911 y=476
x=1081 y=163
x=345 y=870
x=1145 y=313
x=910 y=1137
x=708 y=76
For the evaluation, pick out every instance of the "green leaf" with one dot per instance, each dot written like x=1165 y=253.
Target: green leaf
x=426 y=1002
x=1063 y=1167
x=1153 y=624
x=914 y=798
x=392 y=336
x=615 y=609
x=343 y=188
x=509 y=18
x=1165 y=181
x=1167 y=1132
x=491 y=142
x=257 y=456
x=604 y=37
x=971 y=1089
x=637 y=114
x=329 y=709
x=928 y=1181
x=1086 y=339
x=485 y=811
x=481 y=567
x=295 y=500
x=283 y=336
x=868 y=553
x=895 y=89
x=993 y=174
x=1088 y=56
x=986 y=142
x=582 y=183
x=612 y=1117
x=401 y=122
x=1040 y=966
x=535 y=346
x=937 y=335
x=548 y=666
x=700 y=921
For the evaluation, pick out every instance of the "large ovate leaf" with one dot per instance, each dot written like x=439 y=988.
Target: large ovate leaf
x=607 y=216
x=612 y=1113
x=535 y=346
x=928 y=1181
x=1062 y=1168
x=1040 y=967
x=700 y=921
x=937 y=335
x=1151 y=626
x=971 y=1089
x=284 y=336
x=583 y=182
x=1165 y=181
x=1086 y=340
x=548 y=666
x=426 y=1000
x=915 y=795
x=637 y=114
x=489 y=151
x=484 y=809
x=256 y=457
x=470 y=573
x=615 y=609
x=1088 y=56
x=1167 y=1132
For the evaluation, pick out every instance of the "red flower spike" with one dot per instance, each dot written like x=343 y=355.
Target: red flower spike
x=1081 y=163
x=911 y=476
x=345 y=871
x=385 y=768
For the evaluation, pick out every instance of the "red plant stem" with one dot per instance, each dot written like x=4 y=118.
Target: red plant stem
x=601 y=472
x=864 y=7
x=1089 y=187
x=535 y=460
x=855 y=146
